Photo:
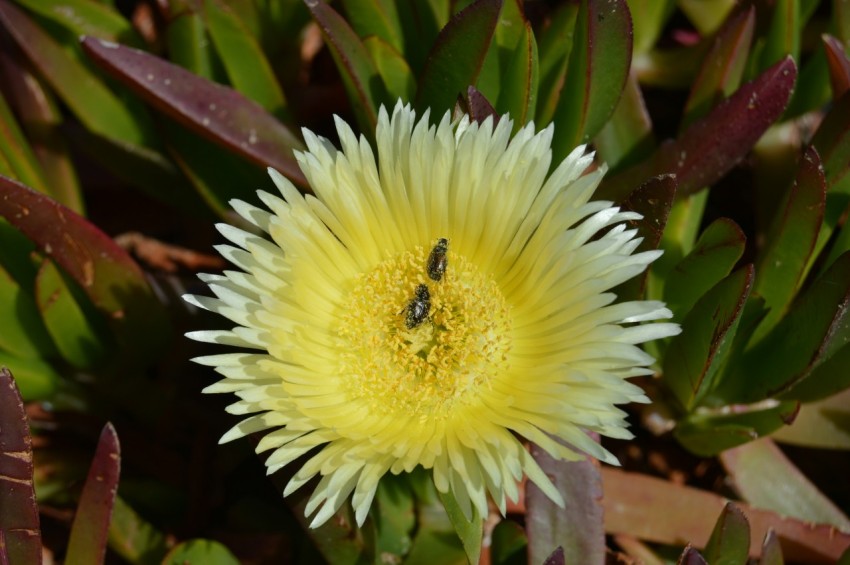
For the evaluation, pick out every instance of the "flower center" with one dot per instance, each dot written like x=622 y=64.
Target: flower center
x=457 y=345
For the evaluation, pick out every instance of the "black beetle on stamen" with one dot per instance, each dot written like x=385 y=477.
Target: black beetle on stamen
x=418 y=308
x=438 y=259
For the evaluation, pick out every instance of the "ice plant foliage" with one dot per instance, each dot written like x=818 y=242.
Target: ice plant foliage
x=521 y=338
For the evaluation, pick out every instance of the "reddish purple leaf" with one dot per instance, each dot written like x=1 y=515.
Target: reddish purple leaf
x=359 y=74
x=212 y=110
x=108 y=275
x=691 y=557
x=714 y=144
x=479 y=107
x=87 y=543
x=20 y=534
x=839 y=66
x=556 y=557
x=577 y=529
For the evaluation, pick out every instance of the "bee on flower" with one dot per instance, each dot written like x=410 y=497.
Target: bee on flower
x=523 y=338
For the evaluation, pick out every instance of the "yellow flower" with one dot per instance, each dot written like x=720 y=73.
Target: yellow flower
x=519 y=338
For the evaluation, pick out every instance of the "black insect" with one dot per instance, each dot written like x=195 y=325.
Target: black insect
x=418 y=308
x=438 y=259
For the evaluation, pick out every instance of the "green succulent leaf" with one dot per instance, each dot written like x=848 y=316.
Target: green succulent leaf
x=709 y=433
x=104 y=271
x=723 y=66
x=247 y=67
x=813 y=331
x=36 y=378
x=189 y=44
x=509 y=545
x=695 y=357
x=554 y=46
x=96 y=106
x=19 y=525
x=134 y=539
x=783 y=262
x=204 y=551
x=763 y=476
x=578 y=527
x=358 y=72
x=216 y=112
x=729 y=543
x=467 y=522
x=398 y=79
x=16 y=153
x=456 y=59
x=436 y=540
x=394 y=518
x=627 y=138
x=518 y=96
x=598 y=66
x=24 y=334
x=649 y=18
x=89 y=531
x=706 y=18
x=783 y=36
x=86 y=17
x=771 y=551
x=712 y=145
x=378 y=18
x=716 y=252
x=824 y=424
x=41 y=119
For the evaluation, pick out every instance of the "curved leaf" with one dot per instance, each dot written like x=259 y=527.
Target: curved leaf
x=763 y=476
x=89 y=532
x=470 y=529
x=695 y=357
x=358 y=72
x=456 y=58
x=23 y=334
x=398 y=79
x=578 y=527
x=214 y=111
x=729 y=543
x=627 y=138
x=111 y=279
x=839 y=66
x=87 y=17
x=20 y=533
x=554 y=46
x=597 y=72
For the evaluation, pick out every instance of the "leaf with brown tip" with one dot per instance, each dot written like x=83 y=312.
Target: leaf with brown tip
x=216 y=112
x=89 y=532
x=20 y=533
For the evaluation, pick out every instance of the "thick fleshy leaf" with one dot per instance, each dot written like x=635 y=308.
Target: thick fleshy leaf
x=134 y=539
x=518 y=95
x=478 y=107
x=204 y=551
x=112 y=280
x=85 y=94
x=188 y=43
x=715 y=254
x=706 y=18
x=783 y=35
x=394 y=518
x=771 y=551
x=19 y=525
x=598 y=68
x=217 y=175
x=791 y=240
x=814 y=330
x=356 y=68
x=509 y=72
x=722 y=68
x=578 y=527
x=627 y=137
x=398 y=79
x=712 y=145
x=89 y=532
x=824 y=424
x=436 y=540
x=456 y=58
x=690 y=556
x=729 y=543
x=16 y=152
x=649 y=18
x=216 y=112
x=36 y=378
x=554 y=46
x=661 y=511
x=75 y=330
x=763 y=476
x=87 y=17
x=41 y=119
x=470 y=529
x=839 y=66
x=709 y=433
x=653 y=200
x=509 y=543
x=378 y=18
x=23 y=334
x=247 y=67
x=695 y=357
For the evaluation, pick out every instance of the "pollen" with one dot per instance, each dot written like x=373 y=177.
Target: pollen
x=438 y=365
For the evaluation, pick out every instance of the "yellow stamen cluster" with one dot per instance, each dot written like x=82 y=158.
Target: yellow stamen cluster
x=426 y=370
